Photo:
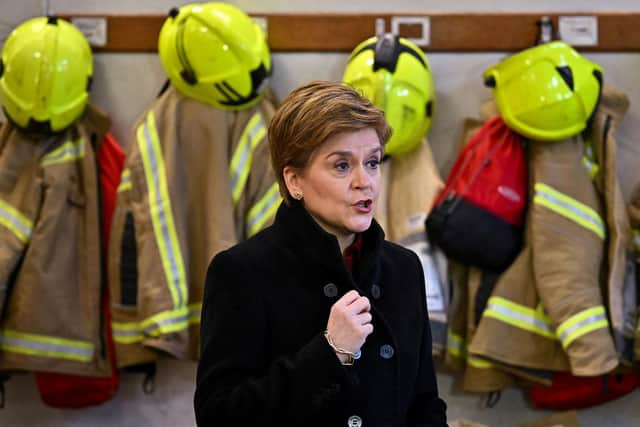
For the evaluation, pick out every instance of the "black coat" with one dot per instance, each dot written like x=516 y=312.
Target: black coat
x=264 y=359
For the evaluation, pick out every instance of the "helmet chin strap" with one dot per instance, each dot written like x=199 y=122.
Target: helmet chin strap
x=259 y=78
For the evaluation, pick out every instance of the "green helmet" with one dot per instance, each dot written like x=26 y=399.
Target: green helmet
x=215 y=53
x=395 y=75
x=45 y=74
x=546 y=93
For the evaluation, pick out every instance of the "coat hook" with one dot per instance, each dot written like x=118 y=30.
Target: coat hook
x=545 y=30
x=380 y=27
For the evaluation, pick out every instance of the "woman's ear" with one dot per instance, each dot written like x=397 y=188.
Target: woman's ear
x=292 y=180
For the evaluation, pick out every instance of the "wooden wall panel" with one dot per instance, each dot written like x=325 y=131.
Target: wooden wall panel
x=341 y=32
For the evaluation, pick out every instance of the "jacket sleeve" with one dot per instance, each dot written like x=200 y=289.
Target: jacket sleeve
x=20 y=191
x=148 y=274
x=255 y=202
x=427 y=409
x=235 y=383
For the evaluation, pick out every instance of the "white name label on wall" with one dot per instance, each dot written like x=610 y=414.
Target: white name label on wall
x=578 y=30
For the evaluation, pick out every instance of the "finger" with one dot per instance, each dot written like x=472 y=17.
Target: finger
x=367 y=329
x=359 y=305
x=363 y=318
x=348 y=298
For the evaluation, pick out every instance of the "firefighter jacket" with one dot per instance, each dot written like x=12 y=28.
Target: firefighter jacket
x=549 y=302
x=634 y=216
x=196 y=180
x=410 y=185
x=618 y=277
x=50 y=250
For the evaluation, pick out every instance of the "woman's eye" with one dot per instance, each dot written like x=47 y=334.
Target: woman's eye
x=342 y=166
x=373 y=163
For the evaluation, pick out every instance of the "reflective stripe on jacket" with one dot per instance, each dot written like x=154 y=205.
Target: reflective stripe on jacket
x=50 y=255
x=197 y=180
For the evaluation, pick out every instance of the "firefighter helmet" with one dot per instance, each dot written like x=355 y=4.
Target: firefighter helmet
x=395 y=75
x=45 y=74
x=547 y=92
x=215 y=53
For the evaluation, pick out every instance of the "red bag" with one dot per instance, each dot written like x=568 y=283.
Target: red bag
x=571 y=392
x=478 y=217
x=75 y=391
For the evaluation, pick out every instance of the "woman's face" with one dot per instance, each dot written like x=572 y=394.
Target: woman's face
x=341 y=183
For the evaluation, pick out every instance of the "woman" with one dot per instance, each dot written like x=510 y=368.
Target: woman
x=317 y=320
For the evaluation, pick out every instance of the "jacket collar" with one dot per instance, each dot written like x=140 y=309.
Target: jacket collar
x=319 y=248
x=613 y=102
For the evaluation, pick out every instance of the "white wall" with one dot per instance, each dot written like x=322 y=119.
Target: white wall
x=125 y=83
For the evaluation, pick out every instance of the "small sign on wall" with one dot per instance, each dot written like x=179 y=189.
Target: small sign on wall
x=94 y=29
x=578 y=30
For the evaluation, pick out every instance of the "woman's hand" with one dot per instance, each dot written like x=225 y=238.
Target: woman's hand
x=349 y=322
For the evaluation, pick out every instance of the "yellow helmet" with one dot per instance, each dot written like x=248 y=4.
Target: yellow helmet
x=395 y=75
x=45 y=74
x=548 y=92
x=215 y=53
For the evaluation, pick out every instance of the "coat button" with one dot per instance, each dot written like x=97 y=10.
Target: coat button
x=376 y=292
x=330 y=290
x=354 y=421
x=386 y=351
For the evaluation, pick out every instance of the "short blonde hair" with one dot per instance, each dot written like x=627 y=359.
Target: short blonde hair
x=312 y=114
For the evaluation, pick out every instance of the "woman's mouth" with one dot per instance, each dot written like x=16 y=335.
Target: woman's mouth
x=364 y=206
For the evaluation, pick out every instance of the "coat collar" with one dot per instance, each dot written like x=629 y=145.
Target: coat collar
x=321 y=249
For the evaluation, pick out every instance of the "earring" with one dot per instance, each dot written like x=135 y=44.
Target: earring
x=297 y=195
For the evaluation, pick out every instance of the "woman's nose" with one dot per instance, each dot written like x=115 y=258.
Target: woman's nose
x=361 y=177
